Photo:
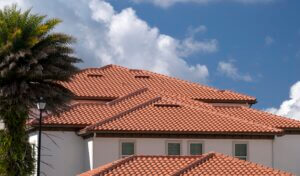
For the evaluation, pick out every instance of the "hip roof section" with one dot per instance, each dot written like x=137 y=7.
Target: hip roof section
x=114 y=81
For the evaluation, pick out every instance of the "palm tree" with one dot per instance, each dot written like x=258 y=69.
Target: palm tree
x=33 y=60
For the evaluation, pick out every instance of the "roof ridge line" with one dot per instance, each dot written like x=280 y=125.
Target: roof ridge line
x=181 y=80
x=174 y=78
x=137 y=92
x=116 y=164
x=225 y=115
x=196 y=84
x=101 y=68
x=193 y=164
x=120 y=114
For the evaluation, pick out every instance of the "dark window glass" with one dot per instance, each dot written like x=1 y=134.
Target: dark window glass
x=173 y=148
x=195 y=149
x=241 y=151
x=127 y=148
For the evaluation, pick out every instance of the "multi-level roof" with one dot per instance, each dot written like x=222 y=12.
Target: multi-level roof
x=207 y=164
x=157 y=104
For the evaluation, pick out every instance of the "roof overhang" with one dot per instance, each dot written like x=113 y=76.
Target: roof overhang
x=174 y=134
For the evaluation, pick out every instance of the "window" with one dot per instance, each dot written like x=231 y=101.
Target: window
x=173 y=148
x=127 y=148
x=241 y=151
x=195 y=148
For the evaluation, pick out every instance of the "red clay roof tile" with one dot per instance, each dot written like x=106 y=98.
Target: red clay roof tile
x=207 y=164
x=89 y=113
x=115 y=81
x=171 y=115
x=167 y=113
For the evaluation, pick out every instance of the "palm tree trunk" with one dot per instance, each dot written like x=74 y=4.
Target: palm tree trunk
x=16 y=157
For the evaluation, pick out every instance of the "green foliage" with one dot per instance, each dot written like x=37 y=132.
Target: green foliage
x=16 y=157
x=33 y=60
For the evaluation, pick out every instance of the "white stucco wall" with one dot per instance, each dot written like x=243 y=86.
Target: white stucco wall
x=287 y=153
x=108 y=149
x=65 y=157
x=74 y=155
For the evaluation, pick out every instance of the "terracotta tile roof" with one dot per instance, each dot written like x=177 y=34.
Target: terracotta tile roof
x=221 y=164
x=113 y=81
x=167 y=114
x=150 y=111
x=207 y=164
x=84 y=114
x=257 y=116
x=99 y=169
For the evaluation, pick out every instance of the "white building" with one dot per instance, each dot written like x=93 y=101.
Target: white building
x=119 y=112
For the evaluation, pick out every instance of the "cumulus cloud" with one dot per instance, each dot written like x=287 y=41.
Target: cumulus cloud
x=168 y=3
x=291 y=107
x=269 y=40
x=106 y=36
x=229 y=69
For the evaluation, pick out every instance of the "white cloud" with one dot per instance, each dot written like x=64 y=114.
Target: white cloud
x=229 y=70
x=192 y=31
x=189 y=45
x=102 y=11
x=269 y=40
x=168 y=3
x=105 y=36
x=291 y=107
x=8 y=2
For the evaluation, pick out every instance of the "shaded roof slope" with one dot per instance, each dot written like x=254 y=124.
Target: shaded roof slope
x=207 y=164
x=113 y=81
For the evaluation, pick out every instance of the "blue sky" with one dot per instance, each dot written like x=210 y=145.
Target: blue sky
x=250 y=46
x=241 y=30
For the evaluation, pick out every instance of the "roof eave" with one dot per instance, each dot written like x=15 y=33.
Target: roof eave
x=180 y=134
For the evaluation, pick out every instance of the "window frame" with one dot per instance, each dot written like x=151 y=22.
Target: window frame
x=173 y=141
x=241 y=142
x=126 y=141
x=194 y=142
